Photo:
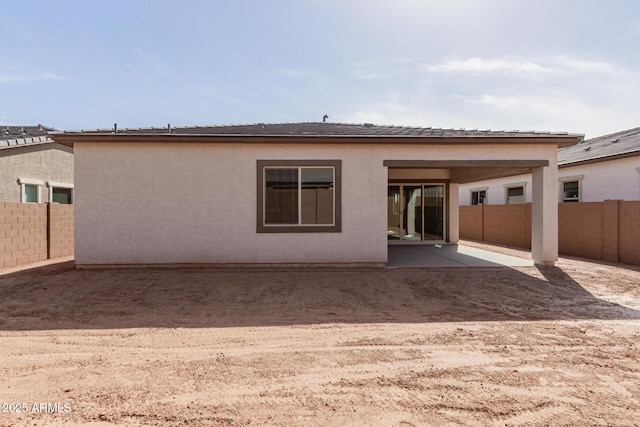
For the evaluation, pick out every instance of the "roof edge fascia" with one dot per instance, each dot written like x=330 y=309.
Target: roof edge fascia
x=80 y=137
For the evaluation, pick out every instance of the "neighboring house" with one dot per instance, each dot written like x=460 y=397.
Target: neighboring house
x=597 y=169
x=33 y=168
x=302 y=193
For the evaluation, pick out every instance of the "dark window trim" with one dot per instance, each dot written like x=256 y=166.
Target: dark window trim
x=335 y=228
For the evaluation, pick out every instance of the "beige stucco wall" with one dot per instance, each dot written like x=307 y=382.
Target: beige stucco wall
x=47 y=162
x=196 y=203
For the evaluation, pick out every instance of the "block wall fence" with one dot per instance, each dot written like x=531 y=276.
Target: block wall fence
x=608 y=230
x=31 y=232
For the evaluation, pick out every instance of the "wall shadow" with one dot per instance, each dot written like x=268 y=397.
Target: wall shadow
x=60 y=297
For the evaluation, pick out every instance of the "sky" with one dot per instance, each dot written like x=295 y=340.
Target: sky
x=546 y=65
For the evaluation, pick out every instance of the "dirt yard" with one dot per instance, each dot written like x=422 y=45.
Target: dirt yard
x=459 y=346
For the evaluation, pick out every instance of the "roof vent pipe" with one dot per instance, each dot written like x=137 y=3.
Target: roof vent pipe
x=324 y=118
x=115 y=128
x=169 y=127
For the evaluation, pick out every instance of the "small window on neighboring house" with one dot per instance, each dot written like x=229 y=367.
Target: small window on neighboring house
x=570 y=188
x=299 y=196
x=571 y=191
x=515 y=195
x=60 y=192
x=478 y=197
x=30 y=193
x=30 y=190
x=61 y=195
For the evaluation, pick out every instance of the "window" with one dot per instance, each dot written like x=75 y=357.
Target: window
x=570 y=191
x=30 y=190
x=60 y=192
x=570 y=188
x=30 y=193
x=299 y=196
x=478 y=196
x=515 y=195
x=61 y=195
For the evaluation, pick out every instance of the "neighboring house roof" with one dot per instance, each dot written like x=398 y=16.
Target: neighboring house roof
x=606 y=147
x=19 y=136
x=345 y=132
x=20 y=132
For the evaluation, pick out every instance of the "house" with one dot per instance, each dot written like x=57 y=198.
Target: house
x=597 y=169
x=33 y=168
x=294 y=194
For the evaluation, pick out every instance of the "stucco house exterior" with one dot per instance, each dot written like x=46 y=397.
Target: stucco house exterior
x=33 y=168
x=292 y=194
x=597 y=169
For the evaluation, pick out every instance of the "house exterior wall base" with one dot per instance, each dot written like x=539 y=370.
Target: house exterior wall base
x=235 y=266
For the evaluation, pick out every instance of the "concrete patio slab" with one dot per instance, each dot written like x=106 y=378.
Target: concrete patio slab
x=432 y=256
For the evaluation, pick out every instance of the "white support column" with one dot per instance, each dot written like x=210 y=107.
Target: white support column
x=544 y=215
x=454 y=213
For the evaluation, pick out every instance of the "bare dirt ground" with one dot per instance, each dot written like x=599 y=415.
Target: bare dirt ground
x=459 y=346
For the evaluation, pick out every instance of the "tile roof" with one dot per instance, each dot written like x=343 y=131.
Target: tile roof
x=603 y=147
x=17 y=136
x=20 y=132
x=320 y=129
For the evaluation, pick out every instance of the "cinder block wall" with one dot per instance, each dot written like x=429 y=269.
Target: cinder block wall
x=580 y=231
x=508 y=225
x=471 y=222
x=60 y=230
x=629 y=229
x=25 y=228
x=23 y=233
x=608 y=230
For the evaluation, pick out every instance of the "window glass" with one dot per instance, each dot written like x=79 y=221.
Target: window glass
x=571 y=191
x=281 y=196
x=478 y=197
x=30 y=193
x=61 y=195
x=515 y=195
x=317 y=195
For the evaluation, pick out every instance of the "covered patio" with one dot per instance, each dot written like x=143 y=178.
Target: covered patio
x=422 y=208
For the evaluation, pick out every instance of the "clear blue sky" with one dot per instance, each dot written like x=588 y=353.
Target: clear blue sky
x=568 y=65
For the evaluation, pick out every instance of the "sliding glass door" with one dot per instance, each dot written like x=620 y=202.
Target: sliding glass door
x=412 y=212
x=416 y=212
x=433 y=212
x=393 y=212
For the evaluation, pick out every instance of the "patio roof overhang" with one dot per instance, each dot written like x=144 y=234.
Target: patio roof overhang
x=463 y=171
